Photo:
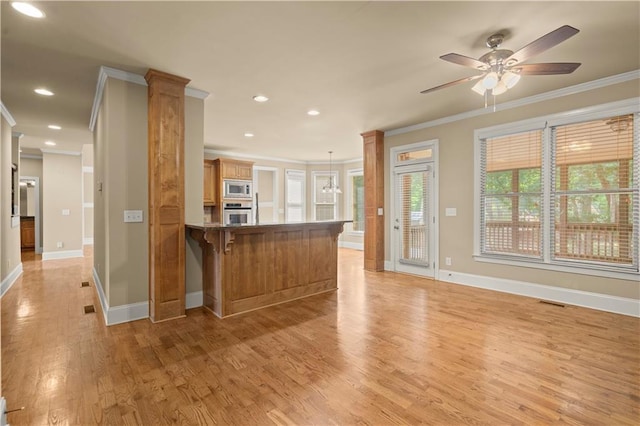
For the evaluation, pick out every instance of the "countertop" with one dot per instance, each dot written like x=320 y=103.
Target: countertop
x=220 y=226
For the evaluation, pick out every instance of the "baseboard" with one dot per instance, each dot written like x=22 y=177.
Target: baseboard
x=66 y=254
x=126 y=313
x=10 y=279
x=194 y=299
x=103 y=299
x=349 y=245
x=601 y=302
x=87 y=241
x=134 y=311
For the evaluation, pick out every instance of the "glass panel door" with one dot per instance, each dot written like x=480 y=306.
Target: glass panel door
x=414 y=219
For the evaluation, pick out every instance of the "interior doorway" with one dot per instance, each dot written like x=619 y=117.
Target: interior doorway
x=414 y=219
x=265 y=186
x=30 y=215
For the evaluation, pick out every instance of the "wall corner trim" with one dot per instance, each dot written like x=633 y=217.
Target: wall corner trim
x=585 y=299
x=10 y=279
x=106 y=72
x=7 y=115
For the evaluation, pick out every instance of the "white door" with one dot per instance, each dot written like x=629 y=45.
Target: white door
x=414 y=220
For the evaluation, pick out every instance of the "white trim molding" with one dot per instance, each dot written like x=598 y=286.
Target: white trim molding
x=194 y=299
x=7 y=115
x=87 y=241
x=61 y=152
x=130 y=77
x=601 y=302
x=65 y=254
x=122 y=313
x=10 y=279
x=350 y=245
x=571 y=90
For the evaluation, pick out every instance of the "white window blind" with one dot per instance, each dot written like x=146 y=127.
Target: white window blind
x=324 y=202
x=356 y=196
x=594 y=206
x=294 y=188
x=511 y=195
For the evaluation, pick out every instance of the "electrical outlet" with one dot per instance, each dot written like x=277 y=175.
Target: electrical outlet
x=447 y=261
x=59 y=244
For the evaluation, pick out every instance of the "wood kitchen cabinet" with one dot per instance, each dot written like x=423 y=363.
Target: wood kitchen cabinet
x=211 y=186
x=236 y=169
x=27 y=232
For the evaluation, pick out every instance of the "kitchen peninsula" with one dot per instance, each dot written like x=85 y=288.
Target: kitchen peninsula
x=247 y=267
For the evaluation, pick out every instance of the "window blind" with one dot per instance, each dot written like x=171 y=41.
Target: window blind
x=511 y=195
x=594 y=206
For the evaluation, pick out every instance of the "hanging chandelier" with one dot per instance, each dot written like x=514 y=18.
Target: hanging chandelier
x=330 y=187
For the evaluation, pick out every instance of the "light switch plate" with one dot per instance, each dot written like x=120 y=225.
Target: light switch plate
x=65 y=212
x=380 y=211
x=133 y=216
x=450 y=211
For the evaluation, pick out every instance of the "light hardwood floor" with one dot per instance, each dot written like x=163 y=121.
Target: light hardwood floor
x=383 y=349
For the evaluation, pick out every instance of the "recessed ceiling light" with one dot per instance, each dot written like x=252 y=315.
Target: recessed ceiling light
x=54 y=127
x=260 y=98
x=313 y=112
x=27 y=9
x=44 y=92
x=50 y=143
x=248 y=135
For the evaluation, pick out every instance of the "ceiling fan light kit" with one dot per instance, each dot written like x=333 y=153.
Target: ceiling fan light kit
x=502 y=68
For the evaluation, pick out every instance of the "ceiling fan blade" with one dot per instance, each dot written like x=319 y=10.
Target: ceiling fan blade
x=453 y=83
x=547 y=69
x=465 y=61
x=545 y=42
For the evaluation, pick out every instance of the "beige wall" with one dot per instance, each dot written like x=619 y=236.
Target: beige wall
x=63 y=174
x=10 y=247
x=193 y=187
x=456 y=189
x=33 y=167
x=121 y=254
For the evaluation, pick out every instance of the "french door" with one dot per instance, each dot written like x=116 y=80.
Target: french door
x=414 y=220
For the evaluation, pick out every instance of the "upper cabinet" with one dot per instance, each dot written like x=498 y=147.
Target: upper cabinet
x=210 y=183
x=236 y=169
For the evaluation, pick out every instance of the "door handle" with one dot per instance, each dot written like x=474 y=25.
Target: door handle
x=396 y=227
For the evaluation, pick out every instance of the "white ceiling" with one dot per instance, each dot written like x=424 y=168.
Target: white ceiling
x=361 y=64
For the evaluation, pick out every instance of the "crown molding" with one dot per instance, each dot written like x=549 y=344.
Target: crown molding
x=17 y=135
x=7 y=115
x=130 y=77
x=565 y=91
x=31 y=156
x=61 y=152
x=228 y=154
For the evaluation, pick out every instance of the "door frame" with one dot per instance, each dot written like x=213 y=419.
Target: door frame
x=37 y=217
x=432 y=144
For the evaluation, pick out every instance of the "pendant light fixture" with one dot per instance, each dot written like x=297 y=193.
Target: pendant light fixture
x=331 y=187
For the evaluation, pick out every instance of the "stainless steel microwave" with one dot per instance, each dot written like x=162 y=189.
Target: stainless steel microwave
x=238 y=189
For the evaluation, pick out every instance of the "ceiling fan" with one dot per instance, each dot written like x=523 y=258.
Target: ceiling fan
x=502 y=68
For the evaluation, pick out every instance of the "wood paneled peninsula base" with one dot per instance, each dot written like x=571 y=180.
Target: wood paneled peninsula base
x=248 y=267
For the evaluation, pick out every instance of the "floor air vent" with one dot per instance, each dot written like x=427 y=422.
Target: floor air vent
x=549 y=302
x=85 y=284
x=89 y=309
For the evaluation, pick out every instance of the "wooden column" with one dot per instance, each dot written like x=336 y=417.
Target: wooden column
x=166 y=195
x=373 y=152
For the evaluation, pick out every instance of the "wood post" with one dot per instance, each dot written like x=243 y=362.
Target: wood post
x=373 y=152
x=166 y=195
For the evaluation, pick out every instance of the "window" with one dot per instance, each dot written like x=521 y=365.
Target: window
x=561 y=192
x=324 y=203
x=355 y=204
x=294 y=189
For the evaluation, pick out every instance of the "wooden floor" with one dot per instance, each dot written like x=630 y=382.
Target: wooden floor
x=383 y=349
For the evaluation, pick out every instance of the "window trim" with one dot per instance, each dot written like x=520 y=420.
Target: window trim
x=349 y=195
x=627 y=106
